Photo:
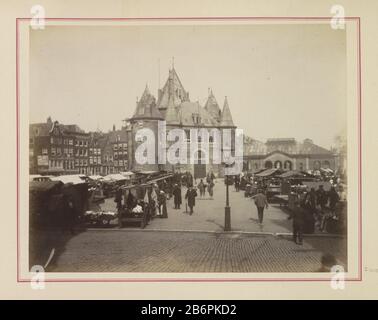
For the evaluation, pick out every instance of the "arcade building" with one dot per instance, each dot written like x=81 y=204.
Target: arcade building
x=287 y=154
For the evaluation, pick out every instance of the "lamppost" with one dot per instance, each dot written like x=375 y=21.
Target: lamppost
x=227 y=209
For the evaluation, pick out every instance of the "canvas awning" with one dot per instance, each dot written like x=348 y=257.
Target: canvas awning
x=328 y=170
x=44 y=186
x=294 y=173
x=267 y=172
x=74 y=179
x=114 y=177
x=166 y=176
x=127 y=173
x=95 y=177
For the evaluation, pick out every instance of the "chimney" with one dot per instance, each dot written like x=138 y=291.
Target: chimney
x=114 y=128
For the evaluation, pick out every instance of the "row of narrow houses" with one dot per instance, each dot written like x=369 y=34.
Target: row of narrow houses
x=56 y=148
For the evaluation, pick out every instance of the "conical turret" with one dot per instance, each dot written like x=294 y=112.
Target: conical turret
x=146 y=107
x=174 y=89
x=171 y=115
x=226 y=117
x=212 y=106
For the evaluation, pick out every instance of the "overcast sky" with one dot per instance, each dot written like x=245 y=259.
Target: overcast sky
x=280 y=80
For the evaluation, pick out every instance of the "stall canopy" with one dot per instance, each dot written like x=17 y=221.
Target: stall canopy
x=127 y=174
x=267 y=172
x=114 y=177
x=95 y=177
x=74 y=179
x=44 y=186
x=327 y=170
x=165 y=176
x=294 y=174
x=258 y=171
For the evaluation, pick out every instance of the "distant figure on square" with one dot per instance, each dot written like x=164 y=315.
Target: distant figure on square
x=177 y=196
x=202 y=188
x=237 y=183
x=210 y=188
x=162 y=199
x=261 y=203
x=191 y=195
x=298 y=223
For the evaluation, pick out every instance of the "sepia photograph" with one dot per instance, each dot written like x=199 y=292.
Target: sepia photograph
x=188 y=148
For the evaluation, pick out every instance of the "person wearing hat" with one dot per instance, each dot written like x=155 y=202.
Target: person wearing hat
x=298 y=222
x=261 y=202
x=191 y=195
x=177 y=196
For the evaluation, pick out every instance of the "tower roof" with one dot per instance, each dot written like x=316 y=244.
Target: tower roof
x=146 y=107
x=173 y=87
x=226 y=117
x=212 y=106
x=171 y=115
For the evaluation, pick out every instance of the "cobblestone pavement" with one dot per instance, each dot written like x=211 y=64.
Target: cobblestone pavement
x=209 y=214
x=123 y=250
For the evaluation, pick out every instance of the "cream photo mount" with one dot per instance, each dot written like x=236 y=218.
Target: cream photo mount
x=354 y=162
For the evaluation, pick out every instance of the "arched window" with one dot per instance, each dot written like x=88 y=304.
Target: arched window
x=278 y=164
x=288 y=165
x=326 y=164
x=316 y=165
x=268 y=164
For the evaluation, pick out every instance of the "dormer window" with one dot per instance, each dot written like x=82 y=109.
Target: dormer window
x=196 y=118
x=141 y=111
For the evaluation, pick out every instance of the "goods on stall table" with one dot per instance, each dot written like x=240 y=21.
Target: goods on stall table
x=99 y=218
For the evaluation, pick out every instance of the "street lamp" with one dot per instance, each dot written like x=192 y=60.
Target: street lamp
x=227 y=209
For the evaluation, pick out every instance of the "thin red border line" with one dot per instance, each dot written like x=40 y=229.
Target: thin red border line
x=17 y=149
x=192 y=18
x=358 y=19
x=360 y=144
x=190 y=280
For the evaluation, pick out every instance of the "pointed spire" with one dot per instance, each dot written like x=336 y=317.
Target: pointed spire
x=226 y=117
x=146 y=106
x=146 y=90
x=173 y=87
x=212 y=106
x=171 y=115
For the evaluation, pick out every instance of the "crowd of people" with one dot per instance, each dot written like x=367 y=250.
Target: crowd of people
x=314 y=208
x=164 y=190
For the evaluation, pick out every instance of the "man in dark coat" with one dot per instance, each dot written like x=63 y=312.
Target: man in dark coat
x=322 y=197
x=334 y=198
x=310 y=200
x=118 y=199
x=261 y=202
x=177 y=196
x=191 y=195
x=237 y=183
x=71 y=214
x=190 y=180
x=298 y=223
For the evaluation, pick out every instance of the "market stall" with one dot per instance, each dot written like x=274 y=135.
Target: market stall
x=137 y=204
